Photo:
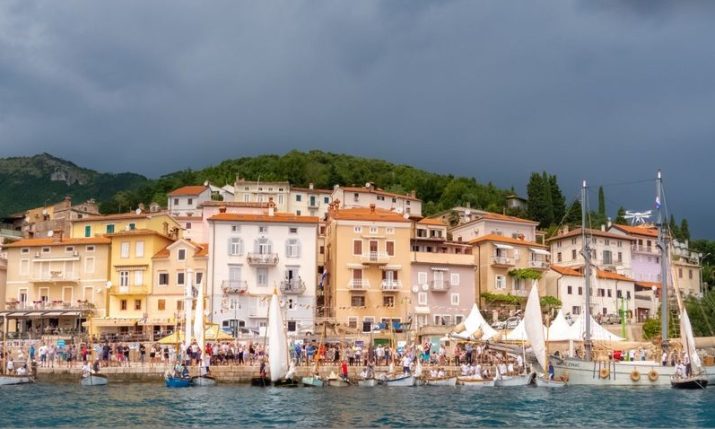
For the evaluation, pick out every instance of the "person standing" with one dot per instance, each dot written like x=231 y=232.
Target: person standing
x=344 y=370
x=406 y=364
x=142 y=353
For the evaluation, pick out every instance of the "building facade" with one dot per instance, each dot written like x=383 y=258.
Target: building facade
x=249 y=191
x=370 y=195
x=610 y=251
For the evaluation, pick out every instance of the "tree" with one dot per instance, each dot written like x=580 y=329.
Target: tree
x=557 y=200
x=674 y=230
x=540 y=204
x=573 y=217
x=601 y=202
x=684 y=230
x=621 y=217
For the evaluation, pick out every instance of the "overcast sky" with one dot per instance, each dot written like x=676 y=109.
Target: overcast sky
x=606 y=91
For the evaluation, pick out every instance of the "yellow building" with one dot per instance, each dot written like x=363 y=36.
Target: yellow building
x=53 y=284
x=111 y=224
x=172 y=267
x=131 y=272
x=368 y=264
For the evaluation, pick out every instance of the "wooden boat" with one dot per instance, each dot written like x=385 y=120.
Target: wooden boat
x=338 y=382
x=475 y=382
x=172 y=381
x=203 y=380
x=260 y=381
x=441 y=381
x=692 y=382
x=402 y=380
x=367 y=382
x=11 y=380
x=93 y=380
x=514 y=380
x=312 y=381
x=545 y=382
x=286 y=382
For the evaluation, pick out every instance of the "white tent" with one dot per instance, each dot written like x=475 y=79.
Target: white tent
x=473 y=323
x=519 y=333
x=598 y=332
x=559 y=329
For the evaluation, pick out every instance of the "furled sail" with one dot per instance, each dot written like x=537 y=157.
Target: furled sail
x=534 y=327
x=277 y=341
x=199 y=317
x=686 y=336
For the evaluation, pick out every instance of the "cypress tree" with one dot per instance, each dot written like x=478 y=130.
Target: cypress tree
x=601 y=202
x=674 y=230
x=684 y=230
x=573 y=217
x=621 y=217
x=557 y=200
x=548 y=219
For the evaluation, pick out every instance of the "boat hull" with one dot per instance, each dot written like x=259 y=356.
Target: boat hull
x=638 y=373
x=11 y=380
x=286 y=383
x=444 y=381
x=542 y=382
x=400 y=381
x=177 y=382
x=203 y=380
x=696 y=382
x=514 y=380
x=312 y=382
x=260 y=381
x=368 y=382
x=338 y=383
x=93 y=380
x=474 y=382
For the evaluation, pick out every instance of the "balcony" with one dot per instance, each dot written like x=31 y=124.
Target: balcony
x=649 y=250
x=391 y=285
x=375 y=258
x=234 y=286
x=519 y=292
x=51 y=305
x=55 y=277
x=643 y=296
x=502 y=261
x=130 y=290
x=439 y=286
x=358 y=284
x=539 y=265
x=293 y=286
x=262 y=258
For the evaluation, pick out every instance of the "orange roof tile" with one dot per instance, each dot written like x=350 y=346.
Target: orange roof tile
x=233 y=204
x=46 y=242
x=368 y=214
x=379 y=192
x=596 y=232
x=278 y=217
x=503 y=239
x=497 y=216
x=566 y=271
x=613 y=276
x=648 y=284
x=140 y=231
x=188 y=191
x=314 y=190
x=203 y=250
x=432 y=221
x=638 y=230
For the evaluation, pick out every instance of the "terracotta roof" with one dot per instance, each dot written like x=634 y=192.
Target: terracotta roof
x=316 y=190
x=503 y=239
x=203 y=250
x=431 y=221
x=365 y=213
x=46 y=242
x=497 y=216
x=648 y=284
x=638 y=230
x=278 y=217
x=597 y=232
x=140 y=231
x=379 y=192
x=188 y=191
x=613 y=276
x=233 y=204
x=565 y=271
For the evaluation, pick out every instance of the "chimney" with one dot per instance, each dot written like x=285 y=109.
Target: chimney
x=310 y=185
x=603 y=227
x=609 y=223
x=271 y=207
x=413 y=193
x=372 y=208
x=222 y=209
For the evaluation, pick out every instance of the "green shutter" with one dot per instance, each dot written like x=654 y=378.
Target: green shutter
x=88 y=231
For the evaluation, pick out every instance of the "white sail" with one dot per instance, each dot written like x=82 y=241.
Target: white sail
x=519 y=333
x=188 y=298
x=534 y=327
x=199 y=317
x=559 y=330
x=473 y=323
x=598 y=332
x=686 y=336
x=277 y=341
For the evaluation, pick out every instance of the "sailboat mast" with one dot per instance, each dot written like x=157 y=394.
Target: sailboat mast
x=586 y=252
x=663 y=245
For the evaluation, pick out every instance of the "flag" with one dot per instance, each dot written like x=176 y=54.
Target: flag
x=322 y=279
x=657 y=202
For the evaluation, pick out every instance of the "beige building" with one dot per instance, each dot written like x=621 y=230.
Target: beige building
x=369 y=195
x=93 y=226
x=610 y=251
x=3 y=280
x=368 y=265
x=53 y=284
x=249 y=191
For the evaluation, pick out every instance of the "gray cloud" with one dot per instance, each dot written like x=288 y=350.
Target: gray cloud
x=609 y=91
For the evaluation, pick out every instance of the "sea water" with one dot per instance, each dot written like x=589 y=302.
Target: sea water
x=126 y=404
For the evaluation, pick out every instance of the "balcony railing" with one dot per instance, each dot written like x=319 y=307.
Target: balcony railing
x=262 y=258
x=502 y=260
x=644 y=249
x=539 y=265
x=51 y=305
x=643 y=296
x=391 y=285
x=439 y=286
x=519 y=292
x=359 y=284
x=130 y=290
x=55 y=276
x=375 y=258
x=234 y=286
x=293 y=286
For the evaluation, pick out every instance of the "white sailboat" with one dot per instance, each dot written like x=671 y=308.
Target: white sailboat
x=7 y=379
x=203 y=379
x=604 y=372
x=278 y=361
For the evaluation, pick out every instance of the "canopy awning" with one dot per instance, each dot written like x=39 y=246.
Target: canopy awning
x=211 y=333
x=503 y=246
x=422 y=310
x=540 y=251
x=108 y=323
x=158 y=322
x=354 y=266
x=52 y=313
x=393 y=267
x=439 y=269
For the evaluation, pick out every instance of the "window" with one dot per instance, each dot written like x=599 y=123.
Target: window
x=609 y=293
x=180 y=278
x=124 y=278
x=619 y=294
x=89 y=264
x=139 y=249
x=575 y=310
x=680 y=273
x=110 y=229
x=161 y=305
x=690 y=274
x=628 y=294
x=356 y=197
x=357 y=229
x=179 y=305
x=25 y=250
x=326 y=200
x=607 y=242
x=607 y=257
x=292 y=230
x=124 y=249
x=390 y=248
x=573 y=254
x=181 y=255
x=262 y=276
x=45 y=250
x=569 y=290
x=263 y=246
x=454 y=279
x=263 y=229
x=373 y=230
x=163 y=279
x=421 y=278
x=601 y=292
x=322 y=250
x=123 y=305
x=235 y=228
x=176 y=201
x=298 y=197
x=454 y=299
x=352 y=322
x=235 y=246
x=291 y=326
x=357 y=247
x=390 y=230
x=69 y=249
x=367 y=324
x=88 y=231
x=199 y=277
x=620 y=256
x=191 y=201
x=137 y=304
x=132 y=226
x=297 y=212
x=422 y=298
x=293 y=248
x=558 y=257
x=357 y=301
x=138 y=278
x=388 y=301
x=580 y=290
x=500 y=282
x=89 y=249
x=24 y=266
x=619 y=243
x=188 y=225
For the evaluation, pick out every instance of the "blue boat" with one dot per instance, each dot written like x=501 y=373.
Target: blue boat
x=178 y=381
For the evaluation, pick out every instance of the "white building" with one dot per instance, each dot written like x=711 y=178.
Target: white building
x=309 y=201
x=481 y=223
x=253 y=255
x=249 y=191
x=184 y=202
x=353 y=197
x=610 y=252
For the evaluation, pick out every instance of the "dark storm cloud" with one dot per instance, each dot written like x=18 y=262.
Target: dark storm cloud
x=608 y=91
